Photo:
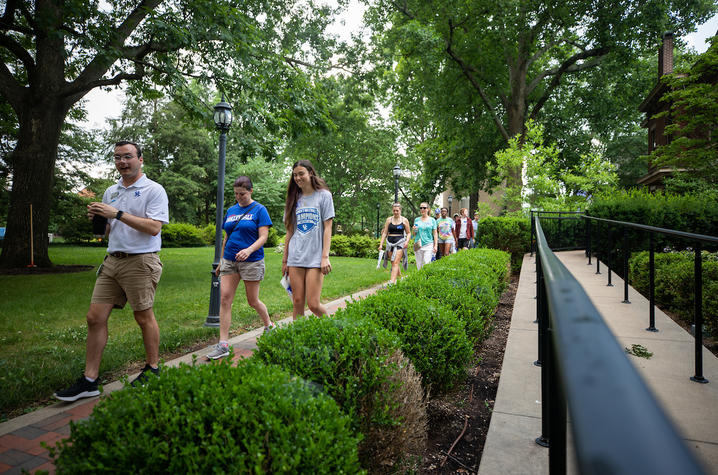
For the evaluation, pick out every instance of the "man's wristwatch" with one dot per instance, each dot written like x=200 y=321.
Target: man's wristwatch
x=119 y=214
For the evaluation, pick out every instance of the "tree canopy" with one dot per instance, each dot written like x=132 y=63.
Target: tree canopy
x=260 y=52
x=495 y=65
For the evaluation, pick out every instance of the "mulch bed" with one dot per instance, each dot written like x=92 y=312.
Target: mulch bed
x=467 y=410
x=45 y=270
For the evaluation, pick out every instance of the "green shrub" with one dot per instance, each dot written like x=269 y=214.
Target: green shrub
x=689 y=213
x=361 y=366
x=207 y=233
x=213 y=419
x=431 y=335
x=493 y=263
x=512 y=235
x=469 y=282
x=356 y=245
x=675 y=284
x=181 y=235
x=76 y=229
x=272 y=237
x=475 y=311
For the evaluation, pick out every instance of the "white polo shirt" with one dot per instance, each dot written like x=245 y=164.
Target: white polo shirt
x=145 y=199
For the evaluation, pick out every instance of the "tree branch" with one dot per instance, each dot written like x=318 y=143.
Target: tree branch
x=10 y=88
x=100 y=63
x=466 y=70
x=20 y=53
x=597 y=55
x=541 y=51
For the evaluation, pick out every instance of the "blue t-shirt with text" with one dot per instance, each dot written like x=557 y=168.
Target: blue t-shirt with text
x=246 y=232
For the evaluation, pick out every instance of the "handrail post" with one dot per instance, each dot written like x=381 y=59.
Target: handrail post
x=609 y=257
x=651 y=286
x=599 y=254
x=557 y=411
x=540 y=310
x=542 y=315
x=626 y=253
x=698 y=314
x=588 y=240
x=533 y=231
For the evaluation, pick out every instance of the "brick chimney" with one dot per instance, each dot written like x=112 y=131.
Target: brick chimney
x=665 y=55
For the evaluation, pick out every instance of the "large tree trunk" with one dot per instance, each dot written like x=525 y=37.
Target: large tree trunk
x=33 y=165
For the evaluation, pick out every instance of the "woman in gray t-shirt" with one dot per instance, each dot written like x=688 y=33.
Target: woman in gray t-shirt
x=308 y=216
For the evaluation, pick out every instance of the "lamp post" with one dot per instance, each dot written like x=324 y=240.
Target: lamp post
x=451 y=198
x=397 y=172
x=223 y=120
x=377 y=219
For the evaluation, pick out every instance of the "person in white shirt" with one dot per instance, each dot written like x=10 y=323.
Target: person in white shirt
x=135 y=209
x=463 y=231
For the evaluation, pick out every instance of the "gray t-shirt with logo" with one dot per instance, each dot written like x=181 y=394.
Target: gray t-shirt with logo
x=305 y=247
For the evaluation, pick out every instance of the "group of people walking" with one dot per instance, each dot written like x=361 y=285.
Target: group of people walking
x=136 y=208
x=433 y=237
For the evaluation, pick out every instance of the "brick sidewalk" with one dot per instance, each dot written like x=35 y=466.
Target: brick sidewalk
x=21 y=438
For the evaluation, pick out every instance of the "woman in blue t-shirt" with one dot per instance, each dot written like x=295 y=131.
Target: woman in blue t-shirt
x=246 y=226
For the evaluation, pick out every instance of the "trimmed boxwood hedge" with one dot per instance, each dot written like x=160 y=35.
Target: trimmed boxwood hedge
x=360 y=365
x=469 y=282
x=431 y=335
x=214 y=419
x=690 y=213
x=473 y=308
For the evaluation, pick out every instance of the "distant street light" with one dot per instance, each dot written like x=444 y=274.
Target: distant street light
x=451 y=198
x=397 y=172
x=223 y=121
x=377 y=219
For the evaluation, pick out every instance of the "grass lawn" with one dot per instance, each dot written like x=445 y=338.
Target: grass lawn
x=42 y=317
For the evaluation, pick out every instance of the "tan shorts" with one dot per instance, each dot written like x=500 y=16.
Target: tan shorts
x=128 y=279
x=249 y=271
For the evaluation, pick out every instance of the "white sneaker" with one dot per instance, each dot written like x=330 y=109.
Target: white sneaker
x=219 y=351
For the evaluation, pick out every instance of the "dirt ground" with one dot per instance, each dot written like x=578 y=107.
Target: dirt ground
x=459 y=420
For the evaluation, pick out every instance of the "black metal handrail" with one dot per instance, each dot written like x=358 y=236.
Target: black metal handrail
x=698 y=239
x=558 y=216
x=617 y=424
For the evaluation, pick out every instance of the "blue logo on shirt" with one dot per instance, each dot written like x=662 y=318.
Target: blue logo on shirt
x=137 y=193
x=307 y=219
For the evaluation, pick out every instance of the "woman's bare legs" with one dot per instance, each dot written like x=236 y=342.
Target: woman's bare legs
x=395 y=263
x=306 y=288
x=251 y=288
x=227 y=291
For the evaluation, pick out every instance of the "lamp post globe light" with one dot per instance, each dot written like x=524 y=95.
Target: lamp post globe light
x=378 y=206
x=451 y=198
x=223 y=121
x=397 y=172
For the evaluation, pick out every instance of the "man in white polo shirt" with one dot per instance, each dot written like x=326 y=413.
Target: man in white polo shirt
x=136 y=208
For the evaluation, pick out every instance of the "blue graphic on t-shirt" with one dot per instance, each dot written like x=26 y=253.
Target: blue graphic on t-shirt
x=307 y=219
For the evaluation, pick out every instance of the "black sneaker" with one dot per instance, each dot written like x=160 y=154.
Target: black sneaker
x=141 y=379
x=81 y=388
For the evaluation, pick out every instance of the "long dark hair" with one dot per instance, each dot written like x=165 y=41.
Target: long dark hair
x=293 y=191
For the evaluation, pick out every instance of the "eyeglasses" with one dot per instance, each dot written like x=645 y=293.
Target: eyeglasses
x=423 y=207
x=126 y=158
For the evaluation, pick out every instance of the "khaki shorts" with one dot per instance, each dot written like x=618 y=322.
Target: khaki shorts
x=130 y=279
x=249 y=271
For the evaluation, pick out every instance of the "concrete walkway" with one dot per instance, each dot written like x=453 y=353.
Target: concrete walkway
x=21 y=438
x=516 y=421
